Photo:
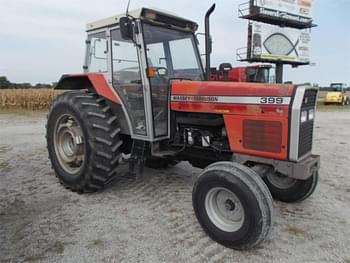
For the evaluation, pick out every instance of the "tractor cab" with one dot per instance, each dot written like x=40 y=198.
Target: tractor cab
x=140 y=55
x=338 y=87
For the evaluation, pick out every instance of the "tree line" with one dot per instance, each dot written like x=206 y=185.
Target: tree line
x=6 y=84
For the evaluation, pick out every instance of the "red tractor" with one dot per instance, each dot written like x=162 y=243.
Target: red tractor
x=145 y=98
x=256 y=73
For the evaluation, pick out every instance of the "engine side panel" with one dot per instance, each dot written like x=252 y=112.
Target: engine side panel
x=256 y=116
x=267 y=138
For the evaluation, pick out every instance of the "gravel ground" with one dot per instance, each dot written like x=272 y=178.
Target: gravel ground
x=150 y=219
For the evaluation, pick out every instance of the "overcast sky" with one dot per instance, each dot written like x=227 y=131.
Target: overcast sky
x=41 y=40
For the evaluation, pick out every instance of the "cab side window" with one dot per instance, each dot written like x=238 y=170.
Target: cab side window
x=97 y=49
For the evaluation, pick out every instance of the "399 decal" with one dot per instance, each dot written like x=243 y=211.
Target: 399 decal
x=271 y=100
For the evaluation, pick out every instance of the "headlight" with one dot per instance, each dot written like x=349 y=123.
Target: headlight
x=303 y=116
x=311 y=114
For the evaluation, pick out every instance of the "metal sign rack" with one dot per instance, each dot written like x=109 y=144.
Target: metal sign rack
x=277 y=13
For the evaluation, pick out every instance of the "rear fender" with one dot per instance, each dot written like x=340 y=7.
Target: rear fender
x=91 y=81
x=97 y=83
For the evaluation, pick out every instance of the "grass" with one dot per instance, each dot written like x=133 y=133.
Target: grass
x=4 y=164
x=333 y=107
x=34 y=258
x=295 y=231
x=97 y=243
x=13 y=100
x=57 y=248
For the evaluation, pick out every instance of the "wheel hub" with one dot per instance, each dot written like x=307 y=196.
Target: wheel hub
x=224 y=209
x=69 y=143
x=230 y=205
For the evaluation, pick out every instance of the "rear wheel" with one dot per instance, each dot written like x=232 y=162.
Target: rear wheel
x=288 y=189
x=233 y=205
x=83 y=141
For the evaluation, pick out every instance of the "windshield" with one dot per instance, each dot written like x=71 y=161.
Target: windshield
x=337 y=87
x=173 y=51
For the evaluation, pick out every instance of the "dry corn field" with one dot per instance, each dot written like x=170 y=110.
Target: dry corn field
x=26 y=99
x=41 y=99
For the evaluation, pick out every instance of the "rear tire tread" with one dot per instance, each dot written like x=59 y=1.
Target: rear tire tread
x=101 y=134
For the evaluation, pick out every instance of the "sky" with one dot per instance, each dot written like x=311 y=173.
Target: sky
x=41 y=40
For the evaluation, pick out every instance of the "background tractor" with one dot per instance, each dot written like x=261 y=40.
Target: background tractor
x=145 y=99
x=259 y=73
x=337 y=95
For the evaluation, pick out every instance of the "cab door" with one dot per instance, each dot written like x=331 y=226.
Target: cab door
x=158 y=62
x=127 y=79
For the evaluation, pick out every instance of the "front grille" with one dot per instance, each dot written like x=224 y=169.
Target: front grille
x=262 y=135
x=310 y=99
x=307 y=128
x=305 y=138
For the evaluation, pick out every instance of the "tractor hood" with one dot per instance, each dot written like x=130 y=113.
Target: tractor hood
x=219 y=88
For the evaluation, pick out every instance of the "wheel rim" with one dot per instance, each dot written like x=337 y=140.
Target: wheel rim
x=69 y=144
x=281 y=181
x=224 y=209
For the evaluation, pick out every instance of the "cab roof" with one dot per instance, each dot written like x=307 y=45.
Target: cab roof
x=147 y=14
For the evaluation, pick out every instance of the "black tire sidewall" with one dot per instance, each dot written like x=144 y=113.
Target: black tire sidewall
x=299 y=191
x=252 y=222
x=60 y=109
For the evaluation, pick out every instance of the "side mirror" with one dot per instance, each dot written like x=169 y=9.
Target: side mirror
x=162 y=71
x=126 y=28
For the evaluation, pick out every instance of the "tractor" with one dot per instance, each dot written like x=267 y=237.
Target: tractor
x=145 y=99
x=259 y=73
x=337 y=95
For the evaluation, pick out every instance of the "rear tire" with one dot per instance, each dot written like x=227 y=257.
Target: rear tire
x=83 y=141
x=290 y=190
x=233 y=205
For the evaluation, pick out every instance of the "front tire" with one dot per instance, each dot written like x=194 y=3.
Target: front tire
x=233 y=205
x=83 y=141
x=288 y=189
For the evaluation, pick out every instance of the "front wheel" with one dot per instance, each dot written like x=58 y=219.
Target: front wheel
x=288 y=189
x=233 y=205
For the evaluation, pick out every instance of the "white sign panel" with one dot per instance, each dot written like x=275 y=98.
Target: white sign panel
x=296 y=10
x=274 y=43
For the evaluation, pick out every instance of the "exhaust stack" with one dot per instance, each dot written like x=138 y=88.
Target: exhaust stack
x=208 y=41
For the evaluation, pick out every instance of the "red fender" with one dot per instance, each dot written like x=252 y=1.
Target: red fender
x=94 y=81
